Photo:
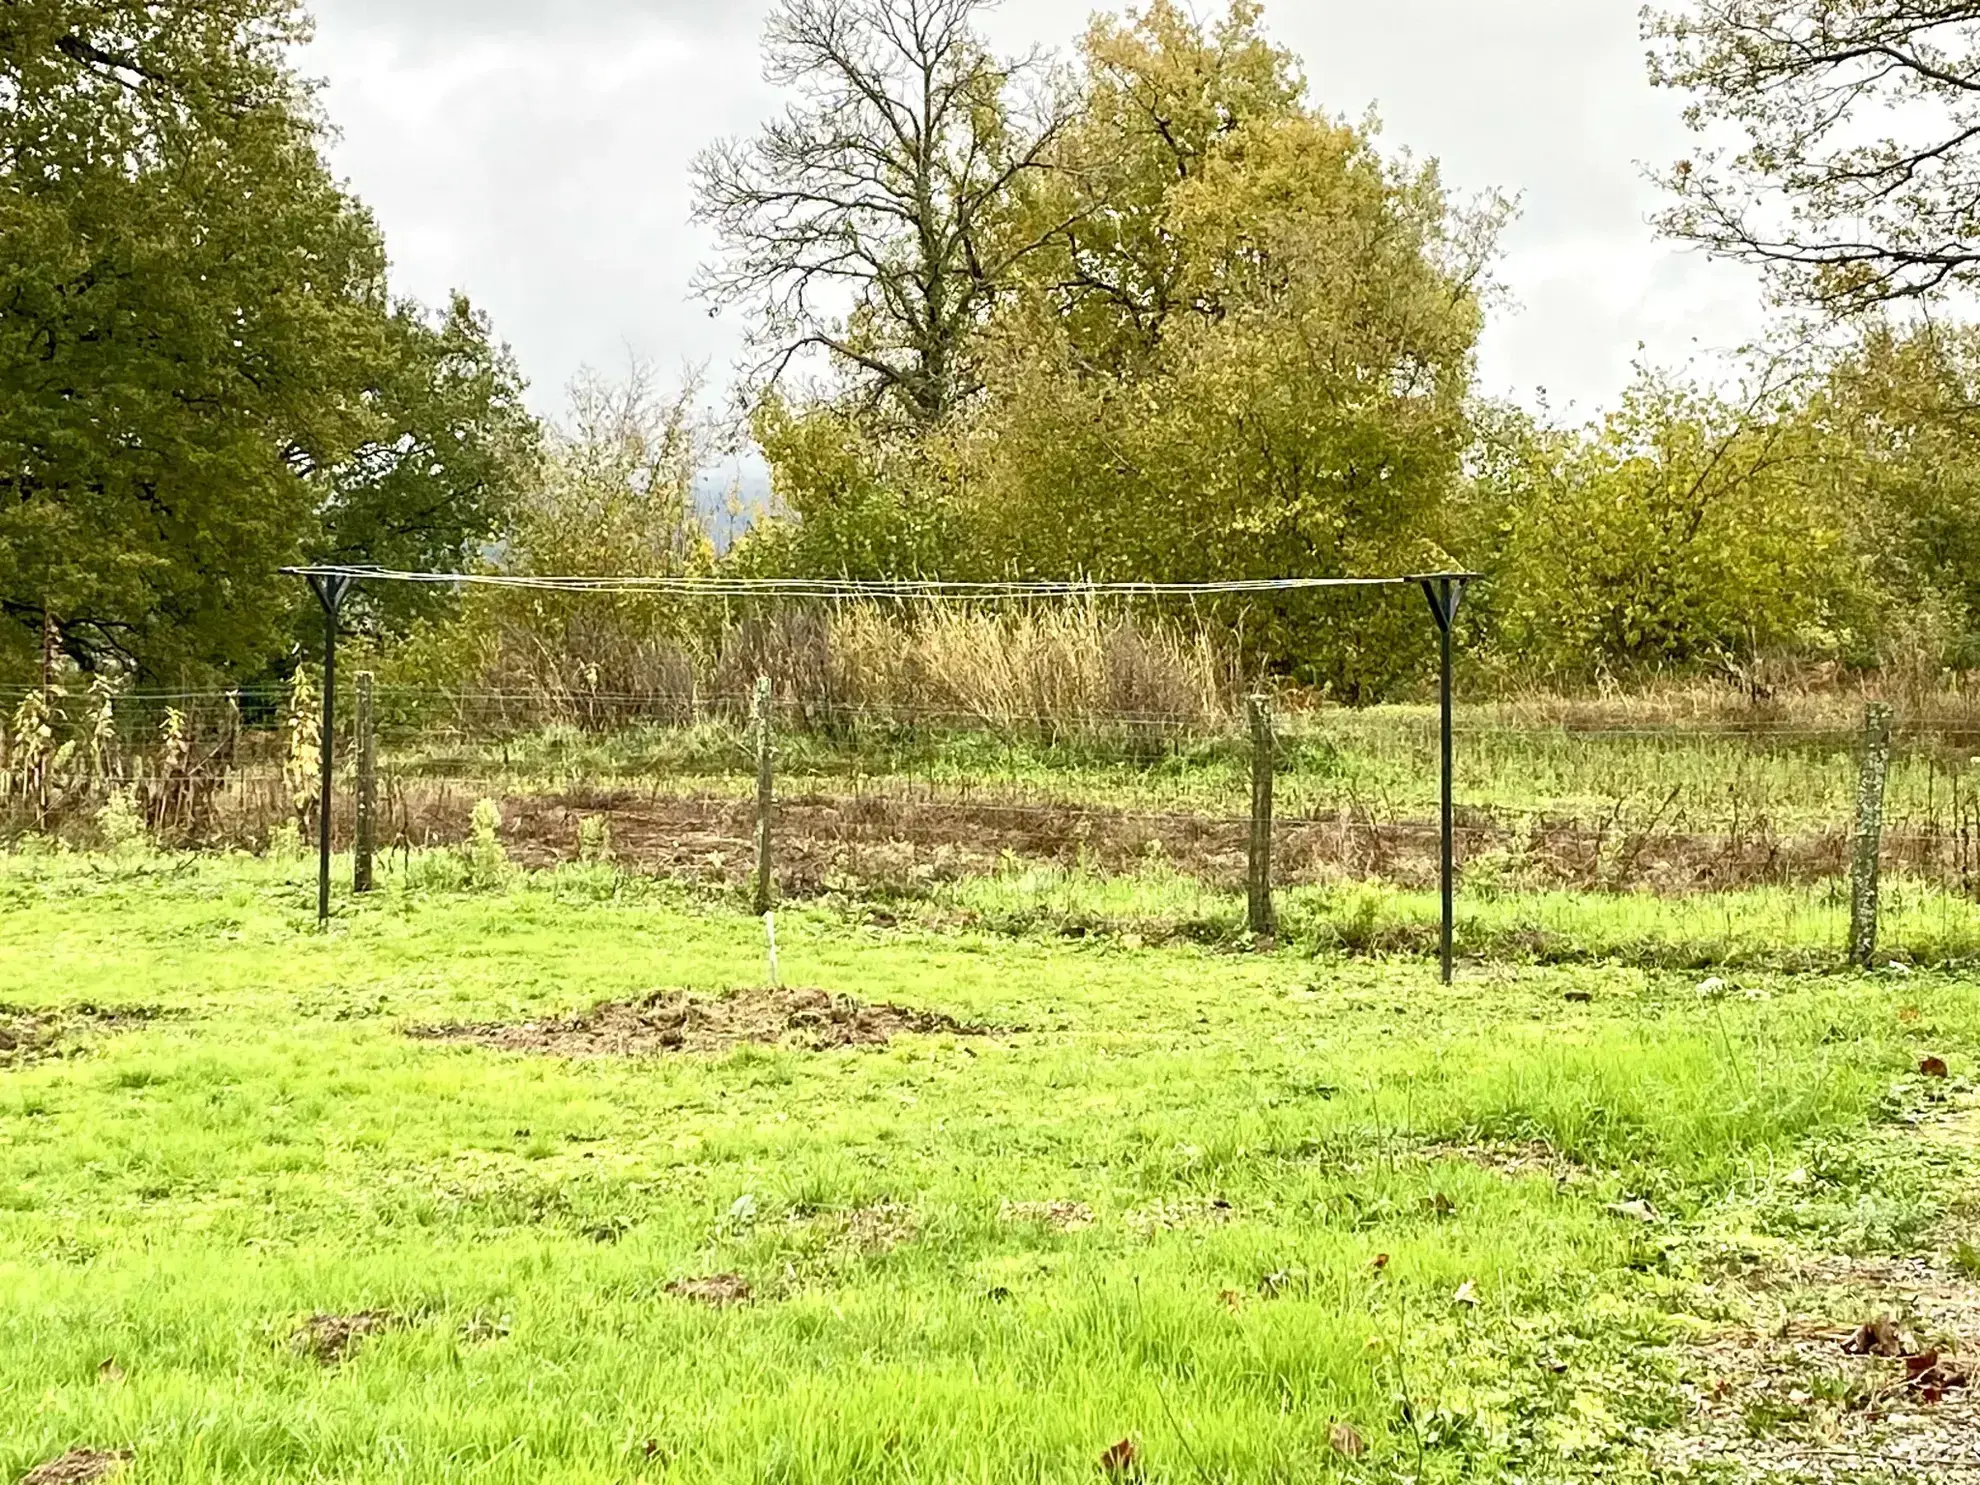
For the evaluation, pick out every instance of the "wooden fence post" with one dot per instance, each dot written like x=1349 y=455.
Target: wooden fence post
x=1262 y=921
x=765 y=798
x=365 y=816
x=1869 y=839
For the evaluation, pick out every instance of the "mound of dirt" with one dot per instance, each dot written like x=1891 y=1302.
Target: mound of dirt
x=30 y=1035
x=77 y=1467
x=1060 y=1215
x=678 y=1022
x=717 y=1291
x=329 y=1339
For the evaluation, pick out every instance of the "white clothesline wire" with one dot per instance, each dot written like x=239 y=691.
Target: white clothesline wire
x=731 y=587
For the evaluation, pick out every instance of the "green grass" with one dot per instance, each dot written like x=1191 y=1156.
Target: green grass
x=184 y=1191
x=1782 y=928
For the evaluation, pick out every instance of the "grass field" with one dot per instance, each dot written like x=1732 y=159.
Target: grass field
x=1265 y=1216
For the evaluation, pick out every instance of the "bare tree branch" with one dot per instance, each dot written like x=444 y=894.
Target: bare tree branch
x=866 y=221
x=1844 y=216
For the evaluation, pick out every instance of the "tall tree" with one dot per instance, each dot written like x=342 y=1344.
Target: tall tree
x=870 y=223
x=447 y=452
x=201 y=375
x=1241 y=347
x=1165 y=99
x=1856 y=181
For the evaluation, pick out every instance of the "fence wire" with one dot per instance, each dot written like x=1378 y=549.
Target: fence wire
x=1679 y=807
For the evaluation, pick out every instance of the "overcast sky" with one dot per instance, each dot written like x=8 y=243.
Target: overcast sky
x=534 y=153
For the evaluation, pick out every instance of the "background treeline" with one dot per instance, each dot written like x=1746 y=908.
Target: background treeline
x=1150 y=312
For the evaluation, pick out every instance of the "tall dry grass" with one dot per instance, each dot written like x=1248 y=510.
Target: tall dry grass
x=1054 y=669
x=1075 y=667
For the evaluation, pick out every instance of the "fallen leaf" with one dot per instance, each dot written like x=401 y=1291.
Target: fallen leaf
x=1344 y=1441
x=1933 y=1067
x=1916 y=1366
x=1121 y=1461
x=1467 y=1293
x=1231 y=1300
x=1931 y=1376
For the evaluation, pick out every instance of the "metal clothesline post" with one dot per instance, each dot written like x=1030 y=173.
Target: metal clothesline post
x=1446 y=593
x=330 y=589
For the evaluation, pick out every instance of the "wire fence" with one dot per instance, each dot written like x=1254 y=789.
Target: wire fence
x=1677 y=808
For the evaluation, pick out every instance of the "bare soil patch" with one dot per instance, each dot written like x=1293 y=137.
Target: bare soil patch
x=717 y=1291
x=676 y=1022
x=1173 y=1216
x=879 y=1228
x=31 y=1035
x=77 y=1467
x=330 y=1339
x=1061 y=1216
x=827 y=839
x=1512 y=1160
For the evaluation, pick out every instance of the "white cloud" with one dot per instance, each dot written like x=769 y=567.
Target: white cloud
x=536 y=155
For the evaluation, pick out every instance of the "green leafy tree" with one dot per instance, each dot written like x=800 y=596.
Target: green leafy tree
x=201 y=377
x=1686 y=530
x=854 y=499
x=449 y=454
x=1902 y=408
x=1240 y=347
x=1164 y=94
x=1262 y=372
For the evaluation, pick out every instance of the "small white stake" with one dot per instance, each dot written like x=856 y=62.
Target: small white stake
x=770 y=935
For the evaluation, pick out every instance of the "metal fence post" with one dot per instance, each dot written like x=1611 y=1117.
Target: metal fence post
x=765 y=894
x=1262 y=921
x=1869 y=839
x=365 y=815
